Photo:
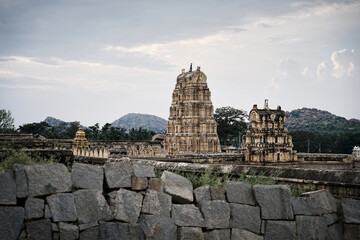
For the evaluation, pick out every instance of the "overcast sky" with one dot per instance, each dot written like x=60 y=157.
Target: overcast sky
x=95 y=61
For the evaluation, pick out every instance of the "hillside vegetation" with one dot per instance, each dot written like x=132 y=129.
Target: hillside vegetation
x=138 y=120
x=314 y=120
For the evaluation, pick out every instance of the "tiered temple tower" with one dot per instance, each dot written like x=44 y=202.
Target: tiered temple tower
x=80 y=139
x=191 y=127
x=266 y=139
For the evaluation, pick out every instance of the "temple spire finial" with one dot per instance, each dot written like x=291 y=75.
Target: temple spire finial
x=190 y=67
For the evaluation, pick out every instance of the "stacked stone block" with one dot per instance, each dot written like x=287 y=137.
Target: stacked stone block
x=71 y=205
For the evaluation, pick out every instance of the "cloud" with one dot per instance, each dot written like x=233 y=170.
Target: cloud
x=21 y=72
x=343 y=64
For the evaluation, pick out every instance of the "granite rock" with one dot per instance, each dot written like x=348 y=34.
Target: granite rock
x=68 y=231
x=39 y=230
x=187 y=215
x=239 y=192
x=180 y=188
x=118 y=174
x=11 y=221
x=143 y=170
x=126 y=205
x=87 y=176
x=351 y=210
x=280 y=230
x=34 y=208
x=158 y=227
x=7 y=188
x=21 y=182
x=245 y=217
x=222 y=234
x=202 y=194
x=190 y=233
x=216 y=214
x=156 y=203
x=62 y=207
x=311 y=227
x=243 y=234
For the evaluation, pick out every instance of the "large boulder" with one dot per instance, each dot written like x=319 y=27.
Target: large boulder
x=216 y=214
x=221 y=234
x=62 y=207
x=310 y=227
x=158 y=227
x=87 y=176
x=11 y=221
x=325 y=201
x=21 y=182
x=117 y=230
x=68 y=231
x=351 y=210
x=245 y=217
x=202 y=194
x=90 y=234
x=278 y=230
x=34 y=208
x=217 y=193
x=187 y=215
x=91 y=206
x=126 y=205
x=156 y=203
x=243 y=234
x=118 y=174
x=335 y=232
x=7 y=188
x=190 y=233
x=180 y=188
x=39 y=230
x=143 y=170
x=239 y=192
x=305 y=206
x=274 y=201
x=46 y=179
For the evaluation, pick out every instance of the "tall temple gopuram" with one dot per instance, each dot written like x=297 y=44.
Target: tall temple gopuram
x=191 y=127
x=266 y=138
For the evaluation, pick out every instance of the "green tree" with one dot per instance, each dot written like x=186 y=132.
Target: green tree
x=42 y=128
x=6 y=121
x=230 y=123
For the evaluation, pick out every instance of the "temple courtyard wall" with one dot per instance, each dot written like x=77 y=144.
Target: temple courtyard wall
x=124 y=200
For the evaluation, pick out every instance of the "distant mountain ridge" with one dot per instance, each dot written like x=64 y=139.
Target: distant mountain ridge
x=53 y=121
x=314 y=120
x=137 y=120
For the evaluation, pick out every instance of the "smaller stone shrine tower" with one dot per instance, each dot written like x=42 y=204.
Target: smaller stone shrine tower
x=266 y=138
x=191 y=127
x=80 y=139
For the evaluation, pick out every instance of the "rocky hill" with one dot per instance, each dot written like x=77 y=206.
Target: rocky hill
x=314 y=120
x=54 y=122
x=137 y=120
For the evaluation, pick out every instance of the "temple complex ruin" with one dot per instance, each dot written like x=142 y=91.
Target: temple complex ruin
x=191 y=127
x=266 y=138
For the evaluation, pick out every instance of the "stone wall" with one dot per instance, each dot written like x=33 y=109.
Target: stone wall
x=124 y=200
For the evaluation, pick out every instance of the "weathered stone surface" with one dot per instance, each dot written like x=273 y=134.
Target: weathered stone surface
x=136 y=232
x=216 y=214
x=222 y=234
x=54 y=227
x=244 y=235
x=202 y=194
x=310 y=227
x=351 y=210
x=217 y=193
x=11 y=220
x=21 y=182
x=139 y=183
x=47 y=212
x=39 y=230
x=245 y=217
x=156 y=184
x=113 y=230
x=190 y=233
x=178 y=187
x=68 y=231
x=331 y=218
x=91 y=206
x=118 y=174
x=88 y=225
x=45 y=179
x=143 y=170
x=239 y=192
x=7 y=188
x=62 y=207
x=326 y=202
x=263 y=226
x=90 y=234
x=351 y=231
x=126 y=205
x=87 y=176
x=187 y=216
x=274 y=201
x=156 y=203
x=158 y=227
x=56 y=236
x=280 y=230
x=305 y=206
x=335 y=232
x=34 y=208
